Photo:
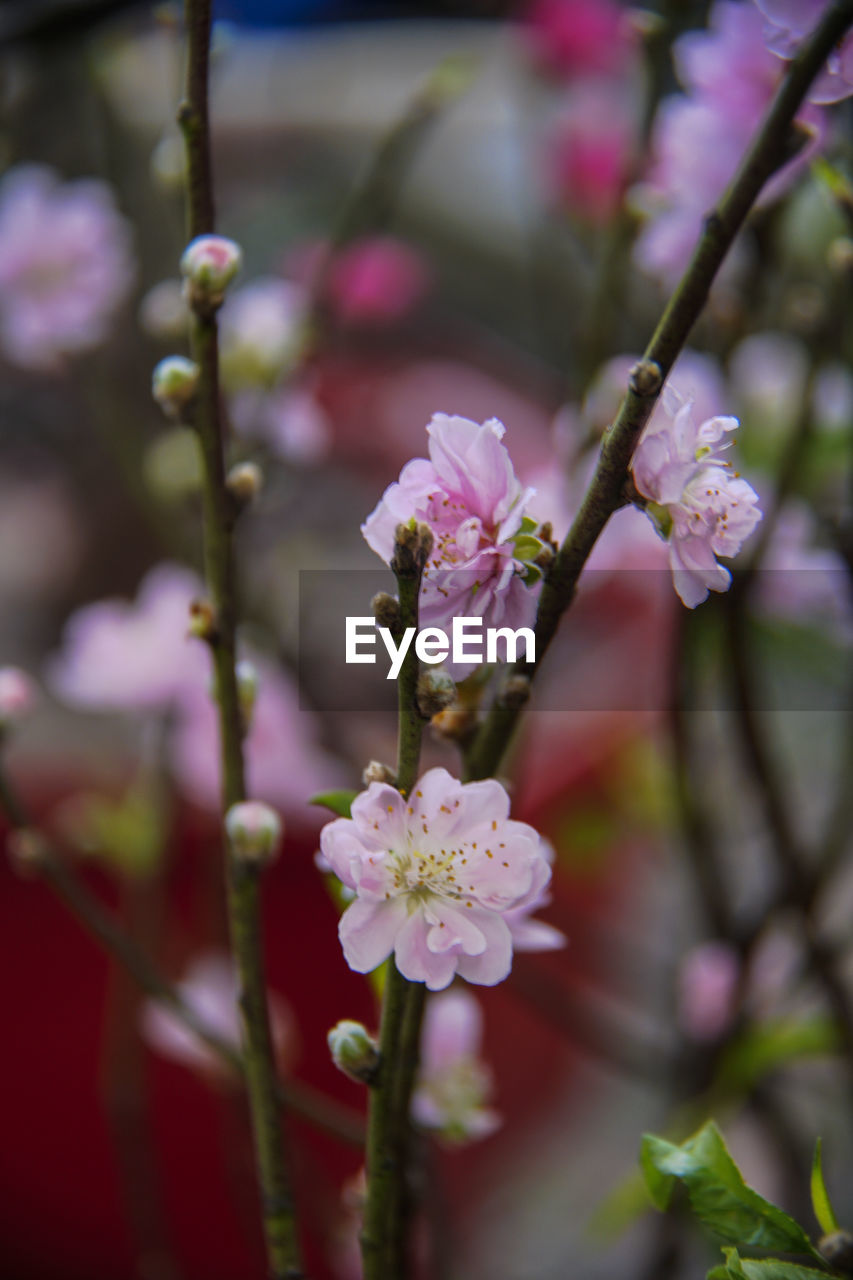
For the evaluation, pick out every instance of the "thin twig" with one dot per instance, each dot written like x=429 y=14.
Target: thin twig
x=243 y=886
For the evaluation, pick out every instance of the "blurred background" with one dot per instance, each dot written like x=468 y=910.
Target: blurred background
x=474 y=208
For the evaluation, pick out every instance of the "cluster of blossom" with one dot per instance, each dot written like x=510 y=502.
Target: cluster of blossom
x=700 y=504
x=468 y=494
x=443 y=879
x=699 y=137
x=590 y=48
x=65 y=266
x=124 y=656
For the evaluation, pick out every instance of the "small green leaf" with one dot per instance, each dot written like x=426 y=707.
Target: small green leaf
x=769 y=1045
x=718 y=1194
x=821 y=1202
x=738 y=1268
x=340 y=802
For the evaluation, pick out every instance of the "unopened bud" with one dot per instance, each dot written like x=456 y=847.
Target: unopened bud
x=208 y=265
x=378 y=772
x=174 y=383
x=645 y=378
x=245 y=481
x=203 y=621
x=247 y=690
x=436 y=690
x=837 y=1249
x=27 y=851
x=386 y=610
x=515 y=691
x=254 y=830
x=354 y=1051
x=18 y=695
x=455 y=722
x=412 y=546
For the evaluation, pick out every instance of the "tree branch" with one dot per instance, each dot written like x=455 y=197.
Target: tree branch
x=767 y=152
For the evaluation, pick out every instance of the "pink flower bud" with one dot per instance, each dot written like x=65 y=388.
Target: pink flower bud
x=17 y=695
x=174 y=383
x=209 y=264
x=254 y=830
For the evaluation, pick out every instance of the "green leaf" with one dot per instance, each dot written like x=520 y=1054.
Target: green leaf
x=718 y=1194
x=340 y=802
x=821 y=1202
x=738 y=1268
x=768 y=1045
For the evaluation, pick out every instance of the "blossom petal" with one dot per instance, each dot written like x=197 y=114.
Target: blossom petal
x=368 y=931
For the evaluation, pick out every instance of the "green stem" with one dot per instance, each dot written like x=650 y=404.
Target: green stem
x=383 y=1237
x=243 y=888
x=767 y=152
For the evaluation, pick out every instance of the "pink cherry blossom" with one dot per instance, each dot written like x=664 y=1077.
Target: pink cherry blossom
x=118 y=655
x=578 y=37
x=210 y=990
x=707 y=990
x=375 y=280
x=788 y=24
x=434 y=875
x=65 y=265
x=453 y=1083
x=472 y=501
x=678 y=466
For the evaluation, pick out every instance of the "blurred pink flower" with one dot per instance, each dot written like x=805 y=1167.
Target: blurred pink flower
x=375 y=280
x=439 y=909
x=65 y=265
x=288 y=419
x=578 y=37
x=472 y=501
x=18 y=695
x=284 y=763
x=699 y=139
x=453 y=1083
x=260 y=331
x=788 y=24
x=801 y=581
x=590 y=151
x=210 y=990
x=678 y=466
x=707 y=990
x=118 y=655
